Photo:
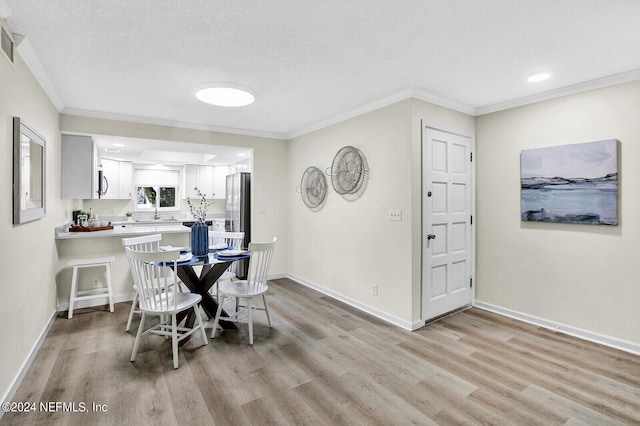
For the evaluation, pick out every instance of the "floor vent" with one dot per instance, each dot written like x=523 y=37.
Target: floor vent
x=8 y=44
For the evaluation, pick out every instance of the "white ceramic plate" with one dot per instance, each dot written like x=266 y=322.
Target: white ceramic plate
x=218 y=246
x=231 y=253
x=170 y=248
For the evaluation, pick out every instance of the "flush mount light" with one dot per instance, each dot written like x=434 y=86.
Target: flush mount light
x=225 y=94
x=541 y=76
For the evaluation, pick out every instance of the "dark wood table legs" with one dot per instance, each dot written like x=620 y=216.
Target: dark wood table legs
x=201 y=284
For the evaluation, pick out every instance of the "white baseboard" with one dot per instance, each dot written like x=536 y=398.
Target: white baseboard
x=590 y=336
x=399 y=322
x=22 y=371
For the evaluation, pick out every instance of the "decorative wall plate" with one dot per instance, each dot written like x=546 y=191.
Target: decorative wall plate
x=313 y=187
x=349 y=170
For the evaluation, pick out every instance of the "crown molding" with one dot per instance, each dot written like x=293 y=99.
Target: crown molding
x=419 y=94
x=563 y=91
x=32 y=61
x=170 y=123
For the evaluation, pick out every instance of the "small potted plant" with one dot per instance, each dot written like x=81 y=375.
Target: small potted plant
x=129 y=216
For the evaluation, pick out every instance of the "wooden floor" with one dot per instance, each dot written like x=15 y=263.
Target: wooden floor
x=326 y=363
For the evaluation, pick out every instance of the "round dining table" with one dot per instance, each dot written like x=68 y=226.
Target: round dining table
x=211 y=267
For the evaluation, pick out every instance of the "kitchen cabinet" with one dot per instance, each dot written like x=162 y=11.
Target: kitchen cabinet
x=241 y=166
x=79 y=168
x=220 y=181
x=200 y=177
x=125 y=187
x=117 y=179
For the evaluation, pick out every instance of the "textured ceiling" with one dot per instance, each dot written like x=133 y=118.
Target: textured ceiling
x=311 y=62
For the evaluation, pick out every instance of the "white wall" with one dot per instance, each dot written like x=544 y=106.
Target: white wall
x=584 y=276
x=349 y=245
x=29 y=260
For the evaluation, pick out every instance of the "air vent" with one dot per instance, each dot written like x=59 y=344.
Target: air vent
x=7 y=41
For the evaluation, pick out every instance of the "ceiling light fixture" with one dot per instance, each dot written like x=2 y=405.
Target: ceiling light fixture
x=225 y=94
x=541 y=76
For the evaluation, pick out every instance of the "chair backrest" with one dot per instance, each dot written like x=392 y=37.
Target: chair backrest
x=144 y=243
x=259 y=263
x=154 y=273
x=232 y=239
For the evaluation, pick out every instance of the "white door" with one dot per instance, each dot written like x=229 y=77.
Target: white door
x=446 y=223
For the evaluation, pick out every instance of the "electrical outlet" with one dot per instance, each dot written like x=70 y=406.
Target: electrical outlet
x=375 y=289
x=395 y=215
x=96 y=283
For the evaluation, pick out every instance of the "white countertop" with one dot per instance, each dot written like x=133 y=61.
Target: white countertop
x=123 y=231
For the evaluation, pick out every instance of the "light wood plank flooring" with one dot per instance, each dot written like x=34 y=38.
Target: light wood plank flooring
x=325 y=363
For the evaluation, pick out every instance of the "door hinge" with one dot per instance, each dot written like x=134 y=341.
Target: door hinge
x=471 y=154
x=472 y=219
x=470 y=282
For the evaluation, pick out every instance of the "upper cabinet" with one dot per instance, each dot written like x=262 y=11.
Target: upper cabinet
x=210 y=180
x=220 y=181
x=200 y=177
x=79 y=167
x=81 y=171
x=117 y=179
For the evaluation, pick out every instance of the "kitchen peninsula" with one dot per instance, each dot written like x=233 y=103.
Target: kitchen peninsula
x=79 y=245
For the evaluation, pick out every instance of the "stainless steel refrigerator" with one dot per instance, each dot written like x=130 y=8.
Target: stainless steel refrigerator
x=238 y=212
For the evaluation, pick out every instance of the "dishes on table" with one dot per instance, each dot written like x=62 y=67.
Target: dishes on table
x=231 y=253
x=218 y=246
x=185 y=257
x=183 y=250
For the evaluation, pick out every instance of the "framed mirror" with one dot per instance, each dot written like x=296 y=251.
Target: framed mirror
x=28 y=173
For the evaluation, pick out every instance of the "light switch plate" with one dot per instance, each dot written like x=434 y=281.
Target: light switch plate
x=395 y=215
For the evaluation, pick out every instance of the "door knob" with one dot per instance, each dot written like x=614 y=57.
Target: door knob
x=431 y=237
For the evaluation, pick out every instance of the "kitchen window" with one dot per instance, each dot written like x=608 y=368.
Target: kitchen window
x=151 y=197
x=156 y=190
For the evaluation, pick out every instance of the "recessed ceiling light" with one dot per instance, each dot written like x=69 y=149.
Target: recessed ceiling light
x=118 y=144
x=225 y=94
x=541 y=76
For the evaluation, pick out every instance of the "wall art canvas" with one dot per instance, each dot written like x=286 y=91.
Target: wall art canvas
x=575 y=183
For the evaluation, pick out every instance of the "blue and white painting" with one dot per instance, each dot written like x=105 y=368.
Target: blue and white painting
x=570 y=183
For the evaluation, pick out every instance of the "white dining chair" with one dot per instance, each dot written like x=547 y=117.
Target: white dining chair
x=154 y=275
x=234 y=241
x=143 y=243
x=245 y=291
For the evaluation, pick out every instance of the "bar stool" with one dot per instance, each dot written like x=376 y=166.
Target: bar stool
x=94 y=293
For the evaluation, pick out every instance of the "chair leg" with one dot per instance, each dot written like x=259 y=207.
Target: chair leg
x=109 y=289
x=134 y=304
x=250 y=311
x=196 y=309
x=174 y=339
x=74 y=289
x=215 y=321
x=138 y=337
x=266 y=309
